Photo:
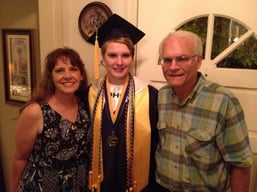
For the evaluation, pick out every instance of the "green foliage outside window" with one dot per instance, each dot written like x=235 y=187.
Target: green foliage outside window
x=226 y=32
x=198 y=26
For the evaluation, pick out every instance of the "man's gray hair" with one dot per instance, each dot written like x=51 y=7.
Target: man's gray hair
x=197 y=42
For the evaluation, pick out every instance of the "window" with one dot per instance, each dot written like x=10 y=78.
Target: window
x=232 y=43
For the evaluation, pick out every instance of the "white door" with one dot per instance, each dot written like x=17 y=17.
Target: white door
x=160 y=17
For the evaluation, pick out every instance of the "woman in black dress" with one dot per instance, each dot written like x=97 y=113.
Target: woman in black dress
x=51 y=152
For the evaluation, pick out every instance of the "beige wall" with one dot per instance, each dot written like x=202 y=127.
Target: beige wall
x=20 y=15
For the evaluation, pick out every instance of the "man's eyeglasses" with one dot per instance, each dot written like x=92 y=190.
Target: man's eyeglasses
x=180 y=60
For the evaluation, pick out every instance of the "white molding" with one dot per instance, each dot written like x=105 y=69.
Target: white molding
x=50 y=26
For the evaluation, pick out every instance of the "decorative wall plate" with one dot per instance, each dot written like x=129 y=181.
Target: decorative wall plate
x=92 y=16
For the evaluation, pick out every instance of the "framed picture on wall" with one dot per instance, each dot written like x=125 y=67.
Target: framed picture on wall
x=18 y=64
x=91 y=17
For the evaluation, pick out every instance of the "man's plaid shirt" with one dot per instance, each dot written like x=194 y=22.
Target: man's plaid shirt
x=200 y=138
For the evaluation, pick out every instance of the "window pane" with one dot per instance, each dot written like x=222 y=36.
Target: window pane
x=245 y=56
x=226 y=32
x=198 y=26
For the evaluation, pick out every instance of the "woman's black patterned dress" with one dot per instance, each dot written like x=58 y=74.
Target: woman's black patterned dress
x=58 y=162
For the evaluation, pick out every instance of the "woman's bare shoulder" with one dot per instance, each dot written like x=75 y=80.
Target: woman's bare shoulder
x=32 y=110
x=31 y=117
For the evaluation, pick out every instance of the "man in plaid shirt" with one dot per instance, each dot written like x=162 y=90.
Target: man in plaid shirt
x=204 y=144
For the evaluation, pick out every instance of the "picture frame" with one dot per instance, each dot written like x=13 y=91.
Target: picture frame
x=18 y=64
x=91 y=17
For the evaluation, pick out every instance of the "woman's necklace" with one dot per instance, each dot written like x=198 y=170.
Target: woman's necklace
x=115 y=107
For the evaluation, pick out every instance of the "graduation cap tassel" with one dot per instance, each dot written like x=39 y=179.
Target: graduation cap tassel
x=96 y=58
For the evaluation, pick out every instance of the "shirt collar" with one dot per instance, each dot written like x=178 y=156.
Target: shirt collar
x=195 y=91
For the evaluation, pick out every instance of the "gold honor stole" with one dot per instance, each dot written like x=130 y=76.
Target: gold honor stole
x=142 y=137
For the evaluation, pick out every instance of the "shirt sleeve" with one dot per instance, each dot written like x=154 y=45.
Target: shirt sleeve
x=233 y=140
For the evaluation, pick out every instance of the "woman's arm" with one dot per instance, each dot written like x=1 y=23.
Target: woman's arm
x=29 y=125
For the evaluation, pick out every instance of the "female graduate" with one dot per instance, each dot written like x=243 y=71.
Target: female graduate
x=124 y=114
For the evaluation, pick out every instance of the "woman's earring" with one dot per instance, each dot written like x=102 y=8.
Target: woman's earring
x=102 y=63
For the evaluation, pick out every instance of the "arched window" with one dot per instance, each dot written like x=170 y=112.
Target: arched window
x=232 y=44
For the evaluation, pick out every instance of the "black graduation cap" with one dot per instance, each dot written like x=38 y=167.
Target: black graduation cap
x=115 y=27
